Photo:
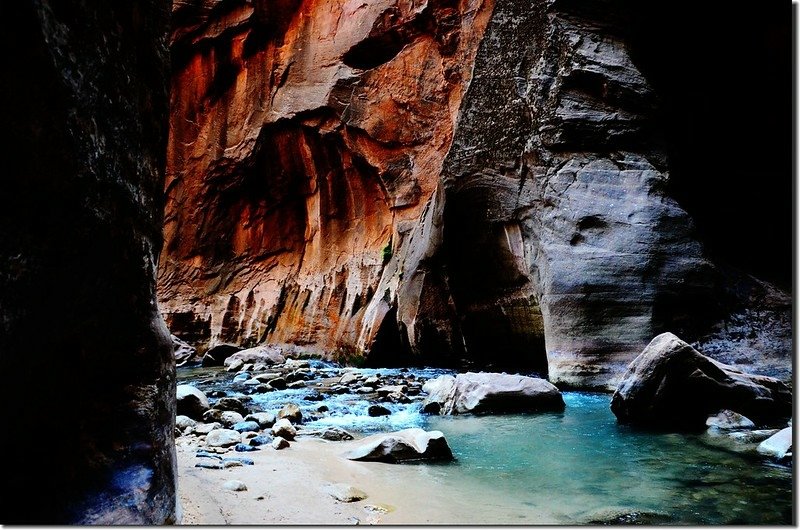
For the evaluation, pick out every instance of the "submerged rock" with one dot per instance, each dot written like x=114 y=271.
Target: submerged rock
x=378 y=410
x=490 y=393
x=191 y=402
x=402 y=446
x=672 y=385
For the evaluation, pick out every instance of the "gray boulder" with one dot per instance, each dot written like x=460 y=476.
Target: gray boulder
x=264 y=419
x=266 y=355
x=728 y=419
x=402 y=446
x=671 y=385
x=223 y=438
x=481 y=393
x=777 y=445
x=245 y=426
x=191 y=402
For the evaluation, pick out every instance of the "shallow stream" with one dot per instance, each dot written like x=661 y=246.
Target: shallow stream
x=572 y=467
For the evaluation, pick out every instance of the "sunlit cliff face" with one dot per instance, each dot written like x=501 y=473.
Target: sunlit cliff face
x=305 y=138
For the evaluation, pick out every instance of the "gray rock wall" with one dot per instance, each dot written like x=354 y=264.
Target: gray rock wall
x=88 y=379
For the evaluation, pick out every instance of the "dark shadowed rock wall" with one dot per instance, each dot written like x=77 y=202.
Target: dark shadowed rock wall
x=88 y=381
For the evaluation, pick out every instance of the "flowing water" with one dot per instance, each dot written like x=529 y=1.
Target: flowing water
x=571 y=467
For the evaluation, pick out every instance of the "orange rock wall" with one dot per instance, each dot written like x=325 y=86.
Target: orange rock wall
x=306 y=137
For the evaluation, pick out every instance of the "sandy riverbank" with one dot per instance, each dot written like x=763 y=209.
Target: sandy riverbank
x=288 y=487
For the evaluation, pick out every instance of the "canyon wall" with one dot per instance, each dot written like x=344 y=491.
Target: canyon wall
x=88 y=379
x=478 y=184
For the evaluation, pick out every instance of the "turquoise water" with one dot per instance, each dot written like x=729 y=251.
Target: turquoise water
x=570 y=467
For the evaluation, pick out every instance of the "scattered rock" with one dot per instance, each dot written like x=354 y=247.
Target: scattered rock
x=218 y=354
x=231 y=463
x=379 y=508
x=349 y=378
x=296 y=384
x=397 y=397
x=291 y=412
x=315 y=396
x=728 y=419
x=391 y=389
x=223 y=438
x=752 y=436
x=262 y=388
x=432 y=407
x=184 y=422
x=323 y=408
x=261 y=439
x=217 y=393
x=280 y=443
x=229 y=403
x=264 y=419
x=378 y=410
x=296 y=363
x=333 y=434
x=371 y=381
x=672 y=385
x=284 y=428
x=212 y=415
x=345 y=493
x=242 y=377
x=402 y=446
x=777 y=445
x=205 y=428
x=243 y=448
x=209 y=464
x=235 y=485
x=230 y=418
x=234 y=366
x=279 y=383
x=245 y=426
x=267 y=377
x=491 y=393
x=191 y=402
x=364 y=390
x=241 y=459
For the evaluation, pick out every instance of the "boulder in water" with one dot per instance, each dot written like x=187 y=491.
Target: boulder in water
x=402 y=446
x=673 y=386
x=482 y=393
x=264 y=419
x=291 y=412
x=378 y=410
x=191 y=402
x=728 y=419
x=777 y=445
x=265 y=355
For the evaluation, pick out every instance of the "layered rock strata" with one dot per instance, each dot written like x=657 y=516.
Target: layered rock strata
x=88 y=378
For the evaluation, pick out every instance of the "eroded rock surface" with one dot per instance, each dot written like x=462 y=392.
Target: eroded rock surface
x=671 y=385
x=85 y=129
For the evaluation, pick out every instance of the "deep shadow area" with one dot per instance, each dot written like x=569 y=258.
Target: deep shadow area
x=722 y=72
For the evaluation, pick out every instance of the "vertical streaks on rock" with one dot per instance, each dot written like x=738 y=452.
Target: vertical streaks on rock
x=87 y=363
x=302 y=148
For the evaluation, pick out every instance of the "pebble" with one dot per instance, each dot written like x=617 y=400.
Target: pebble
x=241 y=459
x=231 y=463
x=345 y=493
x=235 y=485
x=243 y=448
x=261 y=439
x=205 y=454
x=209 y=464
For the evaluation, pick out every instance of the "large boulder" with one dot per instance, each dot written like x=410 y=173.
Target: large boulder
x=402 y=446
x=217 y=355
x=481 y=393
x=267 y=355
x=191 y=402
x=671 y=385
